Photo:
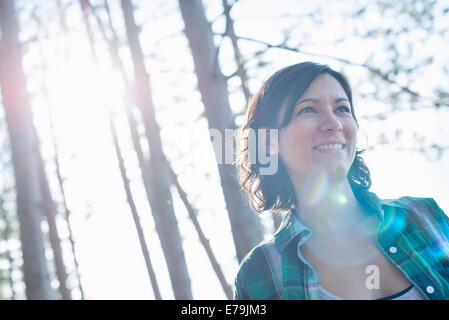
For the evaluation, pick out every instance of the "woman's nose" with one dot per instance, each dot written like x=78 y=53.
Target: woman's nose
x=331 y=123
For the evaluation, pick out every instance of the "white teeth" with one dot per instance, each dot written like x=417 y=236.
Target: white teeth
x=329 y=147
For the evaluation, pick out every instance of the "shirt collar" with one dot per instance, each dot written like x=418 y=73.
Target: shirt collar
x=291 y=227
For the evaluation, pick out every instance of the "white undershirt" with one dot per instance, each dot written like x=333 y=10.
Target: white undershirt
x=412 y=294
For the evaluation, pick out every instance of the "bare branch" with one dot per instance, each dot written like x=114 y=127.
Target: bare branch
x=376 y=71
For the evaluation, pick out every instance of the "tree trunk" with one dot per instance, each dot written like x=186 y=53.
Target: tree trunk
x=66 y=209
x=49 y=205
x=113 y=50
x=204 y=241
x=134 y=213
x=6 y=235
x=24 y=156
x=246 y=227
x=241 y=73
x=159 y=179
x=55 y=241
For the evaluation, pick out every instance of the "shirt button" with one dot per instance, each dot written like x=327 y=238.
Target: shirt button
x=393 y=249
x=430 y=289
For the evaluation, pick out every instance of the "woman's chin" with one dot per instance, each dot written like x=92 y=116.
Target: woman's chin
x=335 y=171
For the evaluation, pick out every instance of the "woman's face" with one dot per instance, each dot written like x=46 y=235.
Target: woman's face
x=321 y=134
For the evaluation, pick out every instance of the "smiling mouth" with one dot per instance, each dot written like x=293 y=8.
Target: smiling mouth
x=330 y=147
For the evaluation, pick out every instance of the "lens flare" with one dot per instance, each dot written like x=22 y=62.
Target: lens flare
x=393 y=219
x=318 y=189
x=340 y=198
x=441 y=250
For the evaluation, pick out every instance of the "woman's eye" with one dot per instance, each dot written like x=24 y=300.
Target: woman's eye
x=344 y=109
x=306 y=110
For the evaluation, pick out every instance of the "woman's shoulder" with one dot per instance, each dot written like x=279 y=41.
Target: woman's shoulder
x=264 y=253
x=424 y=212
x=259 y=273
x=421 y=206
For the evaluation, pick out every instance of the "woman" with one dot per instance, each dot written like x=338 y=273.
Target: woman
x=337 y=239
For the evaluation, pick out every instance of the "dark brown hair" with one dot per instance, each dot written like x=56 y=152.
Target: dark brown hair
x=283 y=89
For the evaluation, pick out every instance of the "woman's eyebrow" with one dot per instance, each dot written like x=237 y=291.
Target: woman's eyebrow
x=315 y=100
x=340 y=100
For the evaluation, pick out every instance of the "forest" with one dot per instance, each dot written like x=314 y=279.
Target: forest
x=111 y=186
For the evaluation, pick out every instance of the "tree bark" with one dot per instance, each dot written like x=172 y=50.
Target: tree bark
x=55 y=241
x=49 y=205
x=113 y=50
x=246 y=227
x=66 y=209
x=159 y=179
x=6 y=235
x=241 y=72
x=24 y=155
x=204 y=241
x=139 y=229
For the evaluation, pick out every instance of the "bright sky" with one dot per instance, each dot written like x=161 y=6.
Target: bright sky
x=111 y=263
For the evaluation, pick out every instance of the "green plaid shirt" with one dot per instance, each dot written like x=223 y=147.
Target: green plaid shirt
x=413 y=234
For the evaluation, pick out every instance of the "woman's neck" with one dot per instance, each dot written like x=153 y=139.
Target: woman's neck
x=342 y=232
x=327 y=206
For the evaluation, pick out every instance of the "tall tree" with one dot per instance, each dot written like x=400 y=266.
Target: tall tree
x=192 y=215
x=159 y=178
x=50 y=207
x=241 y=72
x=113 y=51
x=16 y=102
x=247 y=230
x=6 y=235
x=9 y=225
x=136 y=218
x=50 y=211
x=66 y=213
